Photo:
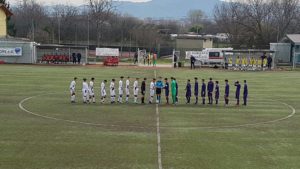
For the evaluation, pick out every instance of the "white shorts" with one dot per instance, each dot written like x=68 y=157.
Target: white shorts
x=136 y=92
x=103 y=93
x=112 y=93
x=72 y=91
x=91 y=93
x=120 y=91
x=85 y=93
x=152 y=93
x=127 y=92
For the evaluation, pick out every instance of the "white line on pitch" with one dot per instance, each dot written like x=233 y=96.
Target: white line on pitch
x=158 y=134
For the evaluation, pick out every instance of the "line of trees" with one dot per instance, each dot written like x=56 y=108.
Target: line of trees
x=96 y=23
x=249 y=24
x=256 y=23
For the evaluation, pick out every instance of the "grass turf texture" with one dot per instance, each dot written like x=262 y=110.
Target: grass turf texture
x=32 y=142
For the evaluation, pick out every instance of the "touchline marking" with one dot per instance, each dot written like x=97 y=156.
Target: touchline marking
x=158 y=134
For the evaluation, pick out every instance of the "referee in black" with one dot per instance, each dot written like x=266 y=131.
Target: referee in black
x=143 y=90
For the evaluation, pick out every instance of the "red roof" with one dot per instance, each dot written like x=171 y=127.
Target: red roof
x=6 y=11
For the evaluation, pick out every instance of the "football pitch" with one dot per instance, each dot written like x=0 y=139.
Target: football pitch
x=41 y=129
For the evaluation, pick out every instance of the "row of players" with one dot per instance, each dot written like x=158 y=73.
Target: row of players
x=156 y=87
x=244 y=62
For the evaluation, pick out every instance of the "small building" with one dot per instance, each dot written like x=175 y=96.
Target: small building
x=14 y=50
x=288 y=51
x=191 y=42
x=4 y=14
x=17 y=50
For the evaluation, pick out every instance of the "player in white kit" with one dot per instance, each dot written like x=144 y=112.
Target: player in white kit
x=112 y=91
x=127 y=89
x=91 y=91
x=136 y=89
x=85 y=91
x=103 y=91
x=152 y=91
x=120 y=99
x=72 y=90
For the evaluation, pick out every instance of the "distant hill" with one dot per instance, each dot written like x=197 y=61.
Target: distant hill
x=172 y=9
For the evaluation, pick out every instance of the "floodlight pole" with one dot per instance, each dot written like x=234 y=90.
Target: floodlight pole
x=294 y=61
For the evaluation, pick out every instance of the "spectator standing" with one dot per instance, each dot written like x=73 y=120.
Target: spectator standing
x=154 y=59
x=175 y=60
x=193 y=60
x=136 y=58
x=74 y=58
x=78 y=58
x=270 y=61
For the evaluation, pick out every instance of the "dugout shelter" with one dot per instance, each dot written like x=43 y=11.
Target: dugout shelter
x=248 y=59
x=60 y=54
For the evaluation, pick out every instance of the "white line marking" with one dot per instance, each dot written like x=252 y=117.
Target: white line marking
x=158 y=123
x=243 y=125
x=293 y=113
x=72 y=121
x=158 y=138
x=158 y=134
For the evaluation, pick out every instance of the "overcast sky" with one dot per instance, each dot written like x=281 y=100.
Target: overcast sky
x=79 y=2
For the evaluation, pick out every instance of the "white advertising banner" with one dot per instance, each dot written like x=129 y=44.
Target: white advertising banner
x=17 y=51
x=199 y=55
x=107 y=52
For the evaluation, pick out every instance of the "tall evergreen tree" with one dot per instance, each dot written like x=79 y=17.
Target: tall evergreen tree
x=11 y=30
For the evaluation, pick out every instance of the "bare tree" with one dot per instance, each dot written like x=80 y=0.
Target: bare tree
x=100 y=11
x=256 y=23
x=30 y=18
x=196 y=17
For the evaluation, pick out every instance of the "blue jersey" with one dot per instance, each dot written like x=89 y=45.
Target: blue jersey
x=196 y=89
x=238 y=90
x=203 y=90
x=245 y=90
x=227 y=89
x=159 y=85
x=167 y=88
x=188 y=90
x=210 y=87
x=217 y=95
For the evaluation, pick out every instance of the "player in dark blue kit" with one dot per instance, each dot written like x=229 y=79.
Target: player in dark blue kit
x=167 y=90
x=196 y=90
x=237 y=92
x=245 y=97
x=217 y=92
x=227 y=90
x=203 y=91
x=188 y=94
x=210 y=90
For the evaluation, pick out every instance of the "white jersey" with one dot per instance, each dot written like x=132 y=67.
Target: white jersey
x=103 y=91
x=120 y=87
x=91 y=88
x=112 y=89
x=152 y=89
x=85 y=88
x=127 y=87
x=72 y=87
x=136 y=88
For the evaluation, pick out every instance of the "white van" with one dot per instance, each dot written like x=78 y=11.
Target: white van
x=209 y=56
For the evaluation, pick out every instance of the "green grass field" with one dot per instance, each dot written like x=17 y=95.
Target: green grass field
x=76 y=136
